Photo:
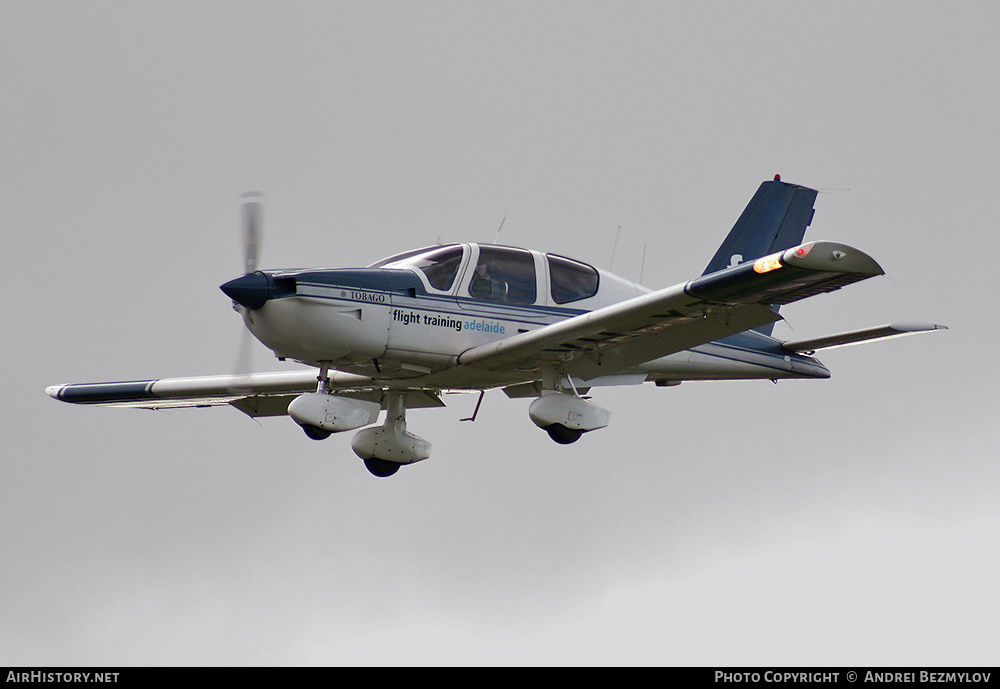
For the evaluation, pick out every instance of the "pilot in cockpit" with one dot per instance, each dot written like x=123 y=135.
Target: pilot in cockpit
x=487 y=283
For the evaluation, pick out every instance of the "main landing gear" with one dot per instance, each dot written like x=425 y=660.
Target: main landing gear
x=559 y=410
x=562 y=413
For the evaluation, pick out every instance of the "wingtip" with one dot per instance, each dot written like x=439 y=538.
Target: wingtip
x=911 y=327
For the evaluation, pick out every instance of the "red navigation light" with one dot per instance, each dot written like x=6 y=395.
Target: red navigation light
x=777 y=178
x=802 y=251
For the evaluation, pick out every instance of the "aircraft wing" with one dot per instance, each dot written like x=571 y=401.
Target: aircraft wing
x=616 y=338
x=260 y=394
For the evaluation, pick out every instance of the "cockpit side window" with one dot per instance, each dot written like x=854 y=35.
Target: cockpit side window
x=440 y=266
x=571 y=280
x=504 y=275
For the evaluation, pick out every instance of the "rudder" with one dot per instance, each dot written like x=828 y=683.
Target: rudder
x=775 y=219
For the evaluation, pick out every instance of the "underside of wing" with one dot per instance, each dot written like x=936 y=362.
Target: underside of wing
x=619 y=337
x=260 y=394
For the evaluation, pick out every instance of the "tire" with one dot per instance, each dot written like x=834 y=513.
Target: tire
x=381 y=467
x=315 y=432
x=563 y=435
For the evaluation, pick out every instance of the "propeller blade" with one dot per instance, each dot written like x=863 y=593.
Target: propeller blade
x=252 y=212
x=239 y=290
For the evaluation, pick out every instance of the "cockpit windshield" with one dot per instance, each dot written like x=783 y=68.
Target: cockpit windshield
x=439 y=264
x=396 y=258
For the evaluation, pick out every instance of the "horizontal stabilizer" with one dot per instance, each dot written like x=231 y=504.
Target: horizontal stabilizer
x=858 y=336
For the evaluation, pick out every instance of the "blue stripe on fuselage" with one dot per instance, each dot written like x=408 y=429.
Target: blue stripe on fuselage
x=446 y=303
x=405 y=290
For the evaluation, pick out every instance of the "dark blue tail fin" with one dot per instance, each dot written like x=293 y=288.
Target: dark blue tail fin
x=775 y=219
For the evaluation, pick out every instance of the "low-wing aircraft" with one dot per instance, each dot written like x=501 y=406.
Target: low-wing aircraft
x=472 y=317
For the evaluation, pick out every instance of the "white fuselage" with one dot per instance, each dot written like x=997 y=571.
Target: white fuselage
x=364 y=322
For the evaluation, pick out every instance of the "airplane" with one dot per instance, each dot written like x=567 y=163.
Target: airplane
x=399 y=333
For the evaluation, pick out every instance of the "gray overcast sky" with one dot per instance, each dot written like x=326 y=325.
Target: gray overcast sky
x=844 y=522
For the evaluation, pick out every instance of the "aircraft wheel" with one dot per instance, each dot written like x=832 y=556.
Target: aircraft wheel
x=381 y=468
x=563 y=435
x=315 y=432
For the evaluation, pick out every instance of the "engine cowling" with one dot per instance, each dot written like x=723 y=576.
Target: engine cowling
x=332 y=413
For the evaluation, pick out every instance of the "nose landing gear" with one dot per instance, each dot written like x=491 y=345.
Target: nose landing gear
x=380 y=467
x=387 y=447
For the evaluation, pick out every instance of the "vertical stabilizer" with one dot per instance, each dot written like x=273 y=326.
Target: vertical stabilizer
x=775 y=219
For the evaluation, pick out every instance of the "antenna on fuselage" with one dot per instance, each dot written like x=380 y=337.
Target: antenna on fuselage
x=497 y=238
x=642 y=266
x=614 y=249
